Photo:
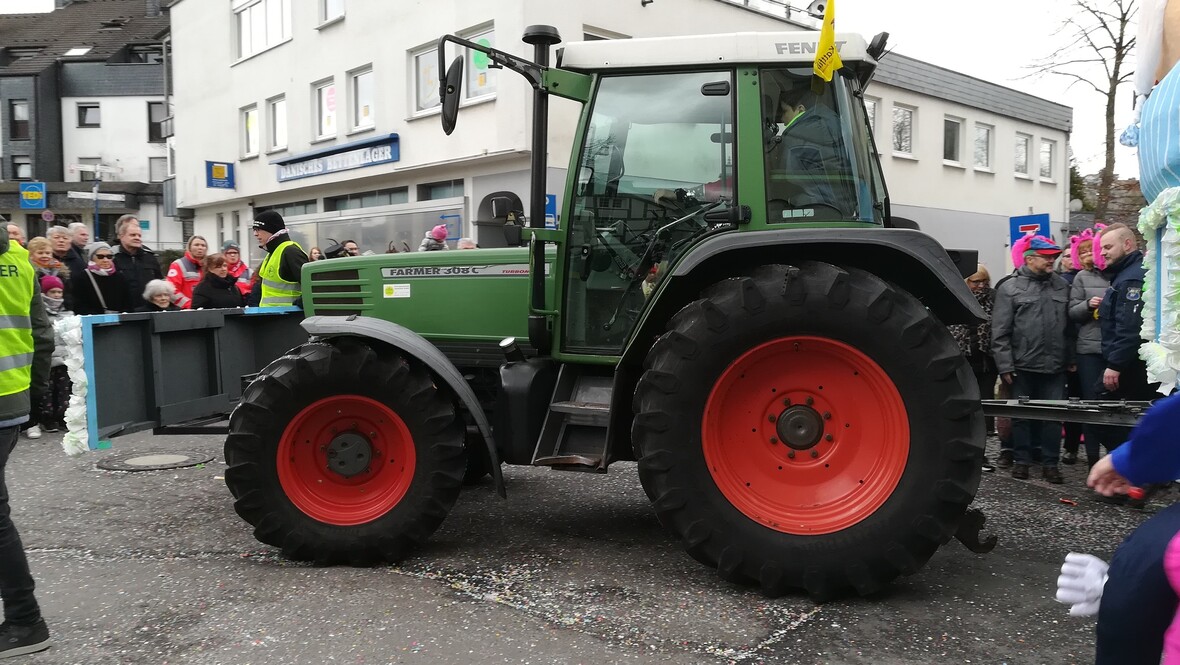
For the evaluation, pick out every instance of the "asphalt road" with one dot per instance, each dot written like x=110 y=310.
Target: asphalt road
x=155 y=567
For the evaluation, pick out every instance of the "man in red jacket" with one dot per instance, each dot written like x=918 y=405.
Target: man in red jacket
x=237 y=267
x=185 y=272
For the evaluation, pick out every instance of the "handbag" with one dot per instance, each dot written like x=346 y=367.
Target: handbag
x=98 y=292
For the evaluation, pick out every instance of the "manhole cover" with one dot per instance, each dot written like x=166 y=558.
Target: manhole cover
x=153 y=461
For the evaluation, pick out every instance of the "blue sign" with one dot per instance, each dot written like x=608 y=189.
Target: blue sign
x=355 y=155
x=550 y=211
x=1028 y=225
x=145 y=224
x=219 y=175
x=32 y=196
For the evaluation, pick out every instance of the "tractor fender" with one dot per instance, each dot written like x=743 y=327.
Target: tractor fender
x=413 y=344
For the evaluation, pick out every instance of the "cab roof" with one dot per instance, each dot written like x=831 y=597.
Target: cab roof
x=789 y=48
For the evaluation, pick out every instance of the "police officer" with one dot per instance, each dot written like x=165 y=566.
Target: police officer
x=279 y=273
x=26 y=347
x=1120 y=316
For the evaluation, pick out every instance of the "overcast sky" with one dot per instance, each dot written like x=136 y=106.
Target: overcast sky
x=993 y=40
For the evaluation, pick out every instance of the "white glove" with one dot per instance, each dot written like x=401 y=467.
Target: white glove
x=1080 y=585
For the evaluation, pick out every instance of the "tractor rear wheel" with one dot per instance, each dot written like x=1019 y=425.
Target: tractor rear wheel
x=810 y=427
x=339 y=453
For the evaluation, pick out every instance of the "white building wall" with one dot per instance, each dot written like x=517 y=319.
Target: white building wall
x=121 y=140
x=959 y=204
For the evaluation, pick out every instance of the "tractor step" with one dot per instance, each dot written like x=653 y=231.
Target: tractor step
x=574 y=435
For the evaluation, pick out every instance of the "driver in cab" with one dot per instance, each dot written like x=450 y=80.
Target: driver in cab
x=808 y=146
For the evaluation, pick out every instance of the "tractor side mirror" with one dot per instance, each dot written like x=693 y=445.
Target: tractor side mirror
x=452 y=91
x=501 y=206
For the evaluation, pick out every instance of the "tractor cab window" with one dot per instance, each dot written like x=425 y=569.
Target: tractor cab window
x=817 y=164
x=657 y=154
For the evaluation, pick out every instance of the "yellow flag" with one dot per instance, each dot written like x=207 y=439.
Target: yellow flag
x=827 y=60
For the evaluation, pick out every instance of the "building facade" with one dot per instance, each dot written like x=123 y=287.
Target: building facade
x=327 y=112
x=81 y=107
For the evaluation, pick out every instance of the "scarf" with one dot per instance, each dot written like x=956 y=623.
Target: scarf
x=52 y=305
x=976 y=339
x=105 y=272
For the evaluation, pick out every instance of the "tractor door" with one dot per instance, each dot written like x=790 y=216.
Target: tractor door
x=658 y=148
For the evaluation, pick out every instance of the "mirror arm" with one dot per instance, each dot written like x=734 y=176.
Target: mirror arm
x=533 y=72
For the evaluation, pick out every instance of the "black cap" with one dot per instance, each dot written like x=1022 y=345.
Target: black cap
x=269 y=221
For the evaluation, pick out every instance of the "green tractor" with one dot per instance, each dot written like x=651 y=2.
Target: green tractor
x=727 y=302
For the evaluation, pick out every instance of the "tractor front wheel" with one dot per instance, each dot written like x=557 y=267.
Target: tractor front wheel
x=809 y=427
x=340 y=453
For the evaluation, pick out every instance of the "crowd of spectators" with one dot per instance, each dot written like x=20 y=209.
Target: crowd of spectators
x=1061 y=324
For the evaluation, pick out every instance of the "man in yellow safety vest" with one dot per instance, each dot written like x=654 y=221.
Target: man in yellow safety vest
x=278 y=275
x=26 y=347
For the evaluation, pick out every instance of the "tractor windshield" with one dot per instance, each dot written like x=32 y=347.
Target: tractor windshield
x=818 y=151
x=658 y=149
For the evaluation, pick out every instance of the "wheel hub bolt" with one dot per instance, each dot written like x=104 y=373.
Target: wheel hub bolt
x=791 y=454
x=814 y=453
x=828 y=437
x=810 y=401
x=773 y=440
x=771 y=418
x=827 y=415
x=787 y=402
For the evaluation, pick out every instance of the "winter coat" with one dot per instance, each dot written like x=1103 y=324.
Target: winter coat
x=1029 y=324
x=113 y=288
x=14 y=408
x=217 y=293
x=242 y=273
x=75 y=259
x=431 y=245
x=1086 y=285
x=151 y=307
x=137 y=270
x=185 y=273
x=59 y=347
x=1121 y=314
x=975 y=341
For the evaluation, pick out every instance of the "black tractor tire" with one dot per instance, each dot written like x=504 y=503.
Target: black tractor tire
x=935 y=395
x=283 y=486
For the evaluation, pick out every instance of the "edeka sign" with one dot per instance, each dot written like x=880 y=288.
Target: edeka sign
x=339 y=158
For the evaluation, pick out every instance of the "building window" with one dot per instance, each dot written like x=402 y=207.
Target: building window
x=171 y=157
x=330 y=9
x=91 y=174
x=250 y=135
x=952 y=135
x=903 y=130
x=295 y=208
x=379 y=197
x=157 y=169
x=983 y=147
x=1048 y=148
x=325 y=109
x=1021 y=163
x=278 y=123
x=362 y=99
x=22 y=167
x=481 y=79
x=89 y=114
x=261 y=24
x=426 y=80
x=157 y=111
x=440 y=190
x=871 y=112
x=18 y=118
x=235 y=219
x=220 y=228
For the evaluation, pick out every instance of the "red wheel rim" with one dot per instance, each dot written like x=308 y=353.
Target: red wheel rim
x=361 y=496
x=768 y=407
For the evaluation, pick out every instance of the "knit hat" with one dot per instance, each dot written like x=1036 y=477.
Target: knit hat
x=1042 y=246
x=439 y=232
x=93 y=248
x=269 y=221
x=51 y=282
x=229 y=244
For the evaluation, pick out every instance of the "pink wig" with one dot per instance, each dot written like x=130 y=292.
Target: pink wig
x=1076 y=241
x=1019 y=248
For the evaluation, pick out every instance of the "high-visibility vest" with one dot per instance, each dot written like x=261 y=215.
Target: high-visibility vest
x=16 y=331
x=276 y=291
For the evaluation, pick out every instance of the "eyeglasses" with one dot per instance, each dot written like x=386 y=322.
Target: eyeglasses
x=977 y=281
x=103 y=257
